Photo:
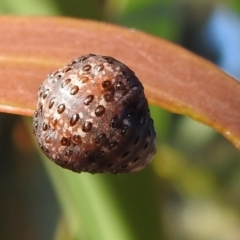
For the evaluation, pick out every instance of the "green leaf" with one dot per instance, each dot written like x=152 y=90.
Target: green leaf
x=106 y=207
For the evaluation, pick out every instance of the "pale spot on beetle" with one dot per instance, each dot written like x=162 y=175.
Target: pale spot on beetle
x=126 y=122
x=67 y=127
x=103 y=102
x=89 y=120
x=60 y=121
x=81 y=133
x=81 y=115
x=92 y=114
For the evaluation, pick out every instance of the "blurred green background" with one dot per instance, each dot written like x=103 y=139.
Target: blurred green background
x=191 y=191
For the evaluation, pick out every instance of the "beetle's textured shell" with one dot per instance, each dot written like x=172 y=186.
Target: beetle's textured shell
x=92 y=116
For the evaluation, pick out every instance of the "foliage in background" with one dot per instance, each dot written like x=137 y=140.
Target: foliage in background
x=191 y=187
